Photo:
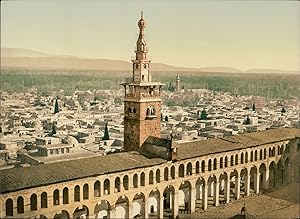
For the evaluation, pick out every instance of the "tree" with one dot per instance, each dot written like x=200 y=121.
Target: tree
x=53 y=132
x=283 y=110
x=106 y=134
x=56 y=109
x=203 y=115
x=253 y=107
x=247 y=121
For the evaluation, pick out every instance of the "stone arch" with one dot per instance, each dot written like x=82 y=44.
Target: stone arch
x=236 y=159
x=126 y=182
x=151 y=180
x=273 y=151
x=121 y=208
x=278 y=150
x=138 y=206
x=142 y=179
x=246 y=157
x=181 y=170
x=168 y=194
x=97 y=189
x=173 y=172
x=77 y=193
x=243 y=176
x=287 y=168
x=117 y=184
x=135 y=180
x=265 y=153
x=242 y=158
x=166 y=173
x=106 y=187
x=262 y=176
x=203 y=166
x=223 y=179
x=65 y=195
x=272 y=175
x=226 y=162
x=189 y=169
x=82 y=212
x=253 y=177
x=234 y=184
x=63 y=215
x=153 y=204
x=255 y=155
x=201 y=194
x=215 y=164
x=260 y=154
x=44 y=200
x=251 y=156
x=184 y=196
x=280 y=172
x=157 y=176
x=9 y=207
x=56 y=197
x=20 y=205
x=33 y=202
x=212 y=193
x=85 y=191
x=102 y=210
x=221 y=163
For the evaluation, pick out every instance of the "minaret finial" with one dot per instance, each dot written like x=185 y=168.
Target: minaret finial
x=142 y=14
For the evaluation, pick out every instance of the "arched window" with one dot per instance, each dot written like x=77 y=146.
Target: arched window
x=151 y=177
x=44 y=200
x=126 y=182
x=86 y=191
x=203 y=166
x=265 y=153
x=106 y=187
x=56 y=197
x=251 y=156
x=65 y=195
x=9 y=207
x=117 y=184
x=135 y=181
x=150 y=111
x=173 y=172
x=270 y=152
x=215 y=163
x=231 y=160
x=33 y=202
x=226 y=161
x=157 y=175
x=77 y=194
x=261 y=154
x=209 y=165
x=246 y=157
x=189 y=169
x=166 y=174
x=97 y=189
x=20 y=205
x=255 y=155
x=142 y=179
x=197 y=167
x=236 y=159
x=242 y=158
x=181 y=170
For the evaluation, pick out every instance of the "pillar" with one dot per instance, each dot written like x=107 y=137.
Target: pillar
x=130 y=209
x=175 y=207
x=216 y=193
x=193 y=199
x=237 y=186
x=256 y=182
x=146 y=208
x=161 y=207
x=227 y=190
x=247 y=184
x=266 y=178
x=204 y=197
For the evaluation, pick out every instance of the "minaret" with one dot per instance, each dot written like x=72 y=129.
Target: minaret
x=177 y=84
x=142 y=103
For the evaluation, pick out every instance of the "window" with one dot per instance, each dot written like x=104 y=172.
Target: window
x=33 y=202
x=9 y=207
x=20 y=205
x=44 y=200
x=150 y=111
x=56 y=197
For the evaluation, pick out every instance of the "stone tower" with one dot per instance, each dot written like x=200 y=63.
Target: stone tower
x=142 y=103
x=177 y=84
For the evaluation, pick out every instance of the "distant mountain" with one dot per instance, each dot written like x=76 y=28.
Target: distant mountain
x=30 y=59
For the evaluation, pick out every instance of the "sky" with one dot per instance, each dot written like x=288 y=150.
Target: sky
x=238 y=34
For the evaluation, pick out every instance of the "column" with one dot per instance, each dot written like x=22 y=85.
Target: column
x=161 y=207
x=247 y=184
x=204 y=197
x=237 y=186
x=193 y=199
x=146 y=208
x=216 y=193
x=175 y=207
x=256 y=182
x=266 y=178
x=130 y=209
x=227 y=190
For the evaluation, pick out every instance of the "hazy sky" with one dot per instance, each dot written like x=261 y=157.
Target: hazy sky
x=240 y=34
